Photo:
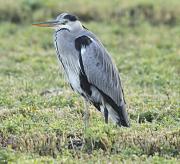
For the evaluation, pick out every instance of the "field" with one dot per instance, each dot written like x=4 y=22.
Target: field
x=41 y=118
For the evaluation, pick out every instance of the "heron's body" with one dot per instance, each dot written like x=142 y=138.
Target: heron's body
x=89 y=69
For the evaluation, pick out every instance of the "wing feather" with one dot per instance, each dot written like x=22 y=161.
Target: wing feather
x=101 y=72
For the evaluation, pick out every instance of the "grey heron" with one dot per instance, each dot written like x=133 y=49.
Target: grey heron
x=89 y=68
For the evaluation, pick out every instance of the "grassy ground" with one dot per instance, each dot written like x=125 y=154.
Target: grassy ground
x=41 y=118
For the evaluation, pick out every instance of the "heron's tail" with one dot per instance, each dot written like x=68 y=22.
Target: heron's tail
x=123 y=117
x=119 y=115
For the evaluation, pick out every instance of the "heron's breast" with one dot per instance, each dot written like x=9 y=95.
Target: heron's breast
x=72 y=70
x=73 y=78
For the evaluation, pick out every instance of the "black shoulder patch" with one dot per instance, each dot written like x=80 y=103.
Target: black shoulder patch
x=70 y=17
x=82 y=41
x=79 y=43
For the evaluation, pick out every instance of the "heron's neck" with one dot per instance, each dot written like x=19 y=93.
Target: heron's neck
x=76 y=27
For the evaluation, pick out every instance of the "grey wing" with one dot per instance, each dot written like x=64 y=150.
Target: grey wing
x=101 y=72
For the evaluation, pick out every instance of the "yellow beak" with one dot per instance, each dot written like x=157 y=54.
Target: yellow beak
x=47 y=24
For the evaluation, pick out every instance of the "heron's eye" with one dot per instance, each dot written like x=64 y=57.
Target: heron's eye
x=64 y=22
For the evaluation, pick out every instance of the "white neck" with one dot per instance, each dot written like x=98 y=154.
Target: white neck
x=71 y=26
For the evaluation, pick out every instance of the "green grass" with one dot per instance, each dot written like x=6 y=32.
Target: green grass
x=41 y=119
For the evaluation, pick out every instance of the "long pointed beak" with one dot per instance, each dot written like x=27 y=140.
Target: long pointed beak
x=47 y=24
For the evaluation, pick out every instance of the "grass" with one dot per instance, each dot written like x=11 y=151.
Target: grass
x=41 y=118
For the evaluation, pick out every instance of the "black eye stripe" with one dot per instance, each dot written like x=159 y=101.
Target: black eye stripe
x=70 y=17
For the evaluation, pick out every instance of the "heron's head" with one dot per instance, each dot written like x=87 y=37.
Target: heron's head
x=63 y=21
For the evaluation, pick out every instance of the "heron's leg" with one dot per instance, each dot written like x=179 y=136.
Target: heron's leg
x=86 y=114
x=106 y=114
